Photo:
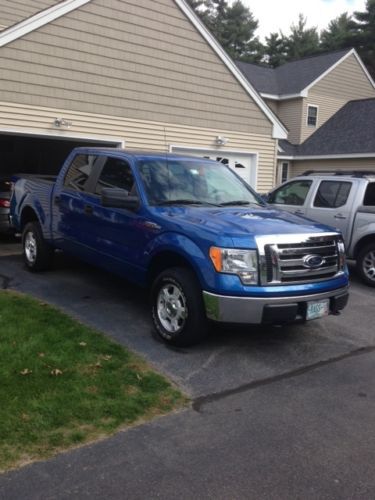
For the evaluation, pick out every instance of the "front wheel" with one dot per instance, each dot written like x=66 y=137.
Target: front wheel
x=177 y=307
x=37 y=253
x=366 y=264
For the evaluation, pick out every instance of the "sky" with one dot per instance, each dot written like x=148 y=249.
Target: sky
x=276 y=15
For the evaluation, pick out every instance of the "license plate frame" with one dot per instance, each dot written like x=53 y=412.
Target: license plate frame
x=317 y=309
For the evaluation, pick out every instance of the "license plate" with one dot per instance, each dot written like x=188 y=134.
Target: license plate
x=317 y=309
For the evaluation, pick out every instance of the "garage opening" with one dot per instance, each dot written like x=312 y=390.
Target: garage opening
x=38 y=155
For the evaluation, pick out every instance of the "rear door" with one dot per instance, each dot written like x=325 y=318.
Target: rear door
x=72 y=205
x=331 y=204
x=292 y=196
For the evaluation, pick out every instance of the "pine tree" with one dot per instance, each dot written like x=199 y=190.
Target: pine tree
x=338 y=34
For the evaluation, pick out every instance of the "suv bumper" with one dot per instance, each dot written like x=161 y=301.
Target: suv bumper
x=273 y=310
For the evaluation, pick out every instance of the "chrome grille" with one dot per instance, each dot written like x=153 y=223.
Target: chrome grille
x=293 y=259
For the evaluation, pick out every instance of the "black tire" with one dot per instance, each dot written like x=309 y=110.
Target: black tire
x=186 y=313
x=37 y=253
x=366 y=262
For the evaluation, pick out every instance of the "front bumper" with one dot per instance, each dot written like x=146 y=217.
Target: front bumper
x=273 y=310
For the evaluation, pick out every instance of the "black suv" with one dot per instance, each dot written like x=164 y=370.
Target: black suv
x=5 y=193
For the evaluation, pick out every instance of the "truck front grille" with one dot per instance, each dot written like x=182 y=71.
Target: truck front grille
x=302 y=259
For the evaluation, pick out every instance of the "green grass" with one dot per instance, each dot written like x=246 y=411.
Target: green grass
x=64 y=384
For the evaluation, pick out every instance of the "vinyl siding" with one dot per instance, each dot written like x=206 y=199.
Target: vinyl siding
x=345 y=83
x=298 y=167
x=15 y=11
x=274 y=105
x=290 y=113
x=138 y=134
x=132 y=59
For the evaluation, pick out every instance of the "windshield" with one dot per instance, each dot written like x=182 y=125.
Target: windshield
x=192 y=182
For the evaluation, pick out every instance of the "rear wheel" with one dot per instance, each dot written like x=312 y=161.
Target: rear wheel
x=366 y=264
x=37 y=253
x=177 y=307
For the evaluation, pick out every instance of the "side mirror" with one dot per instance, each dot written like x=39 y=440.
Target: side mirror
x=118 y=198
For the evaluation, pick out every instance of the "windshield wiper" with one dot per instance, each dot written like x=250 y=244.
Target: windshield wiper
x=234 y=202
x=185 y=202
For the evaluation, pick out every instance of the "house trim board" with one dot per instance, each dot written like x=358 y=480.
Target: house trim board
x=327 y=157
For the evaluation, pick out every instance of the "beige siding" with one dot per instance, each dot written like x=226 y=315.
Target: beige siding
x=15 y=11
x=298 y=167
x=344 y=83
x=138 y=134
x=132 y=59
x=274 y=105
x=290 y=113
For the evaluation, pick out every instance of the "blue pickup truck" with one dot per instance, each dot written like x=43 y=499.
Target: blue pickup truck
x=189 y=229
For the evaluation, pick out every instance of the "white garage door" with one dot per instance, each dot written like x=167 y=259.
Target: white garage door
x=244 y=164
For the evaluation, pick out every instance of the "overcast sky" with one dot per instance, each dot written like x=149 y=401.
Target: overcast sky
x=275 y=15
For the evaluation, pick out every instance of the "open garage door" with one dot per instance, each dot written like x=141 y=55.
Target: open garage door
x=39 y=155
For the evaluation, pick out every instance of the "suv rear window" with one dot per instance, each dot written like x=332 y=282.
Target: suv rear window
x=369 y=199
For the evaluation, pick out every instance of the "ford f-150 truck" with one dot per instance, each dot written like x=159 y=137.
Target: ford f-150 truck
x=192 y=231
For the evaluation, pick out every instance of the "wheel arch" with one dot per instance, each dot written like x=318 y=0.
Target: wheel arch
x=370 y=238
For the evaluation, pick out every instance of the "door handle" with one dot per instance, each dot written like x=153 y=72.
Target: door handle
x=298 y=212
x=88 y=209
x=339 y=216
x=57 y=200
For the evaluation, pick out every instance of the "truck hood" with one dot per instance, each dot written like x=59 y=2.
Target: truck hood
x=242 y=221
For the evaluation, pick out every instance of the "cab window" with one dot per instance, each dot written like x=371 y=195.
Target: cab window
x=116 y=173
x=369 y=199
x=332 y=194
x=293 y=193
x=79 y=172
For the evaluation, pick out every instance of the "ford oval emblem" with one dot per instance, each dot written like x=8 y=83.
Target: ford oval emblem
x=313 y=261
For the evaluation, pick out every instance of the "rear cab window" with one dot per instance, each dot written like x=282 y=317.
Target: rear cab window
x=332 y=194
x=369 y=198
x=79 y=174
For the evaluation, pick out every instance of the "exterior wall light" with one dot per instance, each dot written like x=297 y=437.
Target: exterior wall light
x=62 y=123
x=221 y=140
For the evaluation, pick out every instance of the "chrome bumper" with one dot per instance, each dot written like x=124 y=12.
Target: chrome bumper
x=272 y=310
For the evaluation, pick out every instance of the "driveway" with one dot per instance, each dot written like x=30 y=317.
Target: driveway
x=277 y=412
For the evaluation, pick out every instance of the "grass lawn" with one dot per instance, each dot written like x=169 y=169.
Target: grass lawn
x=63 y=384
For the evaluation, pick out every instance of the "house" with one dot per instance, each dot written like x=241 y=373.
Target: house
x=327 y=102
x=126 y=73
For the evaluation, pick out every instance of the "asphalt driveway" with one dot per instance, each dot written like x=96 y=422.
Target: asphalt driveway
x=277 y=412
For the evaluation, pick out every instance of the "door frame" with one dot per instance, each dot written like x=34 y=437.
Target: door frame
x=253 y=156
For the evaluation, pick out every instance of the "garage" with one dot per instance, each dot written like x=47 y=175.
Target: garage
x=36 y=154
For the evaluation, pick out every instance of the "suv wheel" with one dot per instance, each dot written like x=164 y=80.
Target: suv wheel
x=366 y=264
x=177 y=307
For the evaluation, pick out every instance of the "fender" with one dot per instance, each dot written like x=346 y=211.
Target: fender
x=186 y=248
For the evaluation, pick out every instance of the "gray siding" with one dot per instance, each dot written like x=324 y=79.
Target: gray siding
x=128 y=58
x=15 y=11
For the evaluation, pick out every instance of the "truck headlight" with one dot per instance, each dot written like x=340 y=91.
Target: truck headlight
x=244 y=263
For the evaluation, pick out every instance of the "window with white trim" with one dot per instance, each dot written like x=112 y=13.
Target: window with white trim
x=284 y=171
x=312 y=116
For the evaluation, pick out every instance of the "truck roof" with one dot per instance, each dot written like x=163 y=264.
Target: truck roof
x=138 y=154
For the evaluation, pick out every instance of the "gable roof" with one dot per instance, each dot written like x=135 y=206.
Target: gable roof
x=296 y=77
x=350 y=132
x=50 y=14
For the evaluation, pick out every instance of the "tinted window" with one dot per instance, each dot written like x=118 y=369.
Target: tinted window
x=293 y=193
x=369 y=199
x=79 y=172
x=332 y=194
x=116 y=173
